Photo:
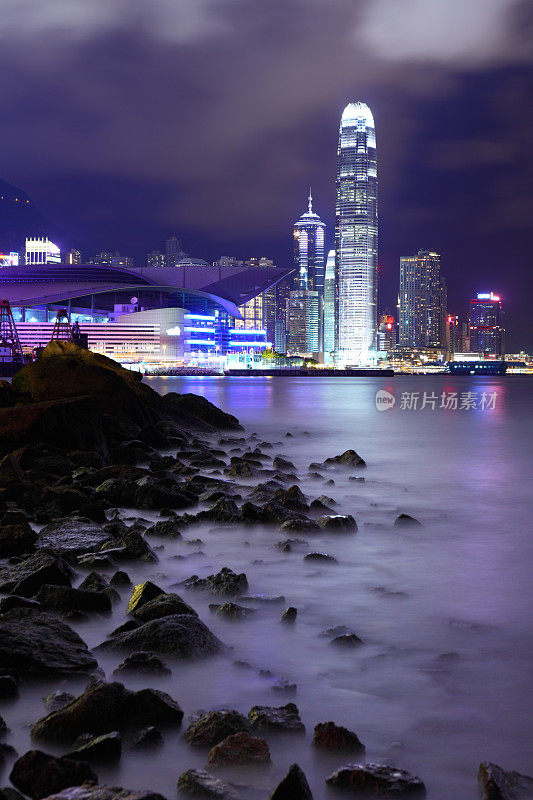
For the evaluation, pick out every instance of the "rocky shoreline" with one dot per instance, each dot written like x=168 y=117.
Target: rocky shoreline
x=82 y=440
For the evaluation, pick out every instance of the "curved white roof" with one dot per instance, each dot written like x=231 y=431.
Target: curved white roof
x=357 y=111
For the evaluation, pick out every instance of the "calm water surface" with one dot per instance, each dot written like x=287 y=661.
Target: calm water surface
x=444 y=679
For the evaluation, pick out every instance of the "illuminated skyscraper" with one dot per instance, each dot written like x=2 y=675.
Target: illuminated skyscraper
x=422 y=301
x=329 y=307
x=309 y=253
x=356 y=236
x=485 y=323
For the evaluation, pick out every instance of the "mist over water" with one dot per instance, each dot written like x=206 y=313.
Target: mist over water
x=444 y=678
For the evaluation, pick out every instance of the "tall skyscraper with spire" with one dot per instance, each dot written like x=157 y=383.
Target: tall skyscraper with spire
x=356 y=236
x=309 y=253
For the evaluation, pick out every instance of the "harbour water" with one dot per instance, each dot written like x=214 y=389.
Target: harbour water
x=444 y=677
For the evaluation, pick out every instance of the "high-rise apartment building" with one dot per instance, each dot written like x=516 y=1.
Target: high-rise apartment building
x=356 y=236
x=422 y=301
x=485 y=325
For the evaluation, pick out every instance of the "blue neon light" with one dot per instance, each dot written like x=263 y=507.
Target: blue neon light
x=206 y=329
x=248 y=344
x=199 y=316
x=200 y=341
x=247 y=331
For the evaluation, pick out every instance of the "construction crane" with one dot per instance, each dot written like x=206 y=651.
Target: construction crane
x=9 y=338
x=62 y=329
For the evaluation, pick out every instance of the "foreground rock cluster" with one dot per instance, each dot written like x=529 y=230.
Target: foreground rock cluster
x=81 y=438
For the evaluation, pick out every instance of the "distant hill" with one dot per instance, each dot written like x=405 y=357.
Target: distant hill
x=19 y=218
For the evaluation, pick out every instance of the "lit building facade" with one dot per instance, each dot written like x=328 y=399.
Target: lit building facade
x=40 y=250
x=356 y=236
x=309 y=254
x=485 y=325
x=329 y=308
x=387 y=333
x=422 y=301
x=303 y=315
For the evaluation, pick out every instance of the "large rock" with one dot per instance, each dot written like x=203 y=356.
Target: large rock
x=212 y=728
x=199 y=783
x=65 y=600
x=104 y=793
x=34 y=642
x=39 y=774
x=17 y=539
x=499 y=784
x=225 y=582
x=107 y=747
x=107 y=707
x=282 y=719
x=376 y=780
x=142 y=593
x=182 y=635
x=329 y=736
x=294 y=786
x=347 y=459
x=73 y=536
x=338 y=523
x=163 y=606
x=240 y=748
x=27 y=577
x=201 y=409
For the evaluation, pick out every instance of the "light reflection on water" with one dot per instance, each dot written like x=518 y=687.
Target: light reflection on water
x=461 y=584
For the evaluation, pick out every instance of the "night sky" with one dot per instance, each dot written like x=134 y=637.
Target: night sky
x=127 y=120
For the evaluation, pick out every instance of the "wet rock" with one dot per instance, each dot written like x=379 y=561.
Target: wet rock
x=143 y=662
x=64 y=600
x=106 y=707
x=263 y=598
x=224 y=511
x=181 y=635
x=338 y=523
x=335 y=630
x=225 y=582
x=8 y=687
x=93 y=582
x=283 y=464
x=199 y=783
x=300 y=525
x=347 y=640
x=406 y=521
x=130 y=545
x=294 y=786
x=348 y=459
x=34 y=642
x=27 y=577
x=292 y=498
x=321 y=507
x=329 y=736
x=14 y=601
x=284 y=686
x=167 y=528
x=213 y=727
x=58 y=699
x=499 y=784
x=142 y=594
x=39 y=775
x=241 y=468
x=199 y=408
x=129 y=625
x=232 y=611
x=100 y=560
x=163 y=605
x=289 y=616
x=107 y=747
x=268 y=718
x=72 y=536
x=120 y=578
x=240 y=748
x=376 y=780
x=17 y=539
x=104 y=793
x=320 y=557
x=147 y=737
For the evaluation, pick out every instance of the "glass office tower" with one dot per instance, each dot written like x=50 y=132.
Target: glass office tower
x=356 y=237
x=485 y=323
x=329 y=308
x=309 y=253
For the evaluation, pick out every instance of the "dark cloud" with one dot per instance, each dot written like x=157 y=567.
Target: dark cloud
x=128 y=119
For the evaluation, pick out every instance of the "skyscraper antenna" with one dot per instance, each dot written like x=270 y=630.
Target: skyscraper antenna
x=310 y=201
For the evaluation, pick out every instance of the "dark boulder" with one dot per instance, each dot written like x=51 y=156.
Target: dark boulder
x=120 y=578
x=289 y=615
x=65 y=600
x=232 y=611
x=347 y=459
x=292 y=498
x=347 y=640
x=294 y=786
x=320 y=557
x=282 y=464
x=87 y=747
x=39 y=775
x=34 y=642
x=14 y=601
x=225 y=582
x=104 y=793
x=213 y=727
x=181 y=635
x=17 y=539
x=147 y=737
x=406 y=521
x=198 y=408
x=283 y=719
x=27 y=577
x=338 y=523
x=58 y=699
x=73 y=536
x=107 y=707
x=240 y=748
x=300 y=525
x=167 y=528
x=199 y=783
x=329 y=736
x=376 y=780
x=142 y=593
x=163 y=605
x=500 y=784
x=143 y=662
